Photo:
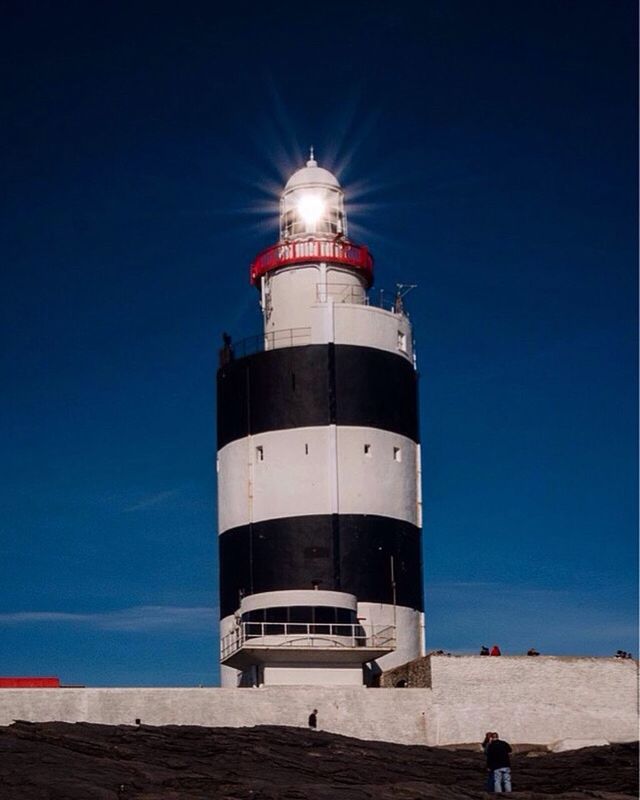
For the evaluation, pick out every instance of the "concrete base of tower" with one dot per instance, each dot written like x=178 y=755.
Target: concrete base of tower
x=229 y=677
x=409 y=627
x=310 y=675
x=293 y=675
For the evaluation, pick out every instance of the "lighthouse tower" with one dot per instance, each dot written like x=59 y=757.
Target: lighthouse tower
x=319 y=503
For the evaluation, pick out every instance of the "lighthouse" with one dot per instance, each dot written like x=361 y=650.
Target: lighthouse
x=318 y=463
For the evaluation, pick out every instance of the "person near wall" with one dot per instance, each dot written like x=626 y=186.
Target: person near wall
x=499 y=763
x=484 y=650
x=488 y=737
x=313 y=719
x=495 y=651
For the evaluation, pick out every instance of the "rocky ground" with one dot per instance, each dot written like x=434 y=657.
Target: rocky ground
x=61 y=761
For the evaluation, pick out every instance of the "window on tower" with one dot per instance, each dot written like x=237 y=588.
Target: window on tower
x=299 y=620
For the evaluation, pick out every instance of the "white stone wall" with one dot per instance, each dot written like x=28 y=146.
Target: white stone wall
x=292 y=472
x=383 y=714
x=533 y=700
x=370 y=326
x=293 y=291
x=328 y=304
x=409 y=625
x=299 y=674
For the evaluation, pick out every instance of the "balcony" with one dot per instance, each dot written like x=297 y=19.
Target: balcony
x=293 y=642
x=331 y=251
x=341 y=294
x=272 y=340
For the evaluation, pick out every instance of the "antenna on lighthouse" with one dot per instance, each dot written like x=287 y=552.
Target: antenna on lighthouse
x=402 y=290
x=311 y=162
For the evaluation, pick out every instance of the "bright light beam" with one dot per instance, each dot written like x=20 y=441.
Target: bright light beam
x=310 y=208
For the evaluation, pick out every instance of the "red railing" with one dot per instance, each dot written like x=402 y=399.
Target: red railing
x=356 y=256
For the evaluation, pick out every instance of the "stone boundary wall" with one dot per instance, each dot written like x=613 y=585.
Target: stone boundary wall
x=537 y=699
x=533 y=700
x=414 y=674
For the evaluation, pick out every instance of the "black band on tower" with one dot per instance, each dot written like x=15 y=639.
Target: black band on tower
x=341 y=552
x=314 y=385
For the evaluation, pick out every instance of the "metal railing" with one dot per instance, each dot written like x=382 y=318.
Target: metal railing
x=331 y=251
x=291 y=337
x=386 y=299
x=341 y=293
x=306 y=636
x=287 y=337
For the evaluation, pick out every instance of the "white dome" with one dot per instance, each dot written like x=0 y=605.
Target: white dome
x=312 y=174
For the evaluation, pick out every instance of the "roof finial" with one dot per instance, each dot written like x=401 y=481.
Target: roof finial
x=311 y=162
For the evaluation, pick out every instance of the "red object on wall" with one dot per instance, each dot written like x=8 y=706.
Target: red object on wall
x=29 y=683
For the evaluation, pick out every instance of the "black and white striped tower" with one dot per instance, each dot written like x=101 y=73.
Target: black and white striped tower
x=319 y=502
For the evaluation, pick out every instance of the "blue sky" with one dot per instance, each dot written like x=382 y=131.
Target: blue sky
x=488 y=153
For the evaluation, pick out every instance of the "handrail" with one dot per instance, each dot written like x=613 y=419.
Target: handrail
x=306 y=635
x=341 y=293
x=328 y=292
x=301 y=251
x=271 y=340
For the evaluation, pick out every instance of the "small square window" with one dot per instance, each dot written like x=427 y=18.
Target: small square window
x=397 y=454
x=260 y=453
x=402 y=341
x=306 y=449
x=367 y=450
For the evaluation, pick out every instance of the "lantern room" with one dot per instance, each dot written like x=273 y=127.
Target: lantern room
x=312 y=204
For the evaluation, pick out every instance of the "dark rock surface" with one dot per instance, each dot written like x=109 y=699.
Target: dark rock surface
x=62 y=761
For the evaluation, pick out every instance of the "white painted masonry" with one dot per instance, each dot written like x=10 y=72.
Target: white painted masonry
x=286 y=473
x=409 y=625
x=322 y=303
x=370 y=326
x=539 y=699
x=300 y=597
x=533 y=700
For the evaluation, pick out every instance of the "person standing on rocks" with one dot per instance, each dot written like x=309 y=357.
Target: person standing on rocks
x=488 y=738
x=499 y=763
x=313 y=719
